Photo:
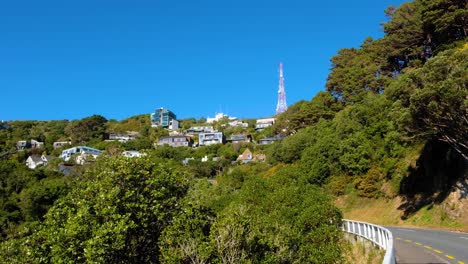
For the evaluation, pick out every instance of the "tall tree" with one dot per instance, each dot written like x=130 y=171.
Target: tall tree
x=444 y=20
x=82 y=131
x=435 y=99
x=357 y=71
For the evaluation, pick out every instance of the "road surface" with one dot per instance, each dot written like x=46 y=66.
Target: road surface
x=429 y=246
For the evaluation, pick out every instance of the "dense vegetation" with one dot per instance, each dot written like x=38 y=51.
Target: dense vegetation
x=393 y=122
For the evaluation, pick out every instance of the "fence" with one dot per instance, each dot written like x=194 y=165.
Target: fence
x=380 y=236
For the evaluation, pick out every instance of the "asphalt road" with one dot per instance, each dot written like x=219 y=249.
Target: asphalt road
x=429 y=246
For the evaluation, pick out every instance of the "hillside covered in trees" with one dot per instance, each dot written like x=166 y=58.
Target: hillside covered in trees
x=392 y=122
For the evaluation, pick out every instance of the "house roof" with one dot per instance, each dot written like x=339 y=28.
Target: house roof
x=245 y=155
x=36 y=158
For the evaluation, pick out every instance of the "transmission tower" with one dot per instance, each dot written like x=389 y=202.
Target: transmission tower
x=281 y=106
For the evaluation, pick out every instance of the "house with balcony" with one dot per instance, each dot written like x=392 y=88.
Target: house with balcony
x=23 y=144
x=122 y=137
x=239 y=139
x=59 y=144
x=270 y=140
x=82 y=154
x=164 y=118
x=264 y=123
x=205 y=139
x=237 y=123
x=176 y=141
x=36 y=144
x=195 y=130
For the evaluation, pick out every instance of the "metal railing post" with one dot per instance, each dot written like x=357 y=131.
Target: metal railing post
x=378 y=235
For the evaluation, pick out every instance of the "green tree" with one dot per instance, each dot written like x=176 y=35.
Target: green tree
x=115 y=216
x=86 y=129
x=433 y=100
x=444 y=20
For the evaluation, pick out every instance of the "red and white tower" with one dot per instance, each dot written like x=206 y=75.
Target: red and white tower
x=281 y=106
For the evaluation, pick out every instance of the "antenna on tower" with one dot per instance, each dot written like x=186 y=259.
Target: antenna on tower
x=281 y=107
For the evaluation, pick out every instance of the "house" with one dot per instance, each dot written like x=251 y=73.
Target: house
x=121 y=137
x=36 y=144
x=4 y=125
x=211 y=138
x=83 y=154
x=270 y=140
x=219 y=117
x=199 y=129
x=164 y=118
x=132 y=154
x=264 y=123
x=239 y=139
x=34 y=161
x=246 y=156
x=237 y=123
x=59 y=144
x=83 y=158
x=23 y=144
x=176 y=141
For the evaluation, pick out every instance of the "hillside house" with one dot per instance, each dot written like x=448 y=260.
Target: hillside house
x=239 y=138
x=192 y=131
x=59 y=144
x=34 y=161
x=133 y=154
x=176 y=141
x=264 y=123
x=36 y=144
x=121 y=137
x=246 y=156
x=211 y=138
x=269 y=140
x=83 y=154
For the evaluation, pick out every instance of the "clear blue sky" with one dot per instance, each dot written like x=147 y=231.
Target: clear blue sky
x=72 y=59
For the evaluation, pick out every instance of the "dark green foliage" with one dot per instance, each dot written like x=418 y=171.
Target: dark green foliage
x=303 y=114
x=115 y=216
x=278 y=220
x=186 y=239
x=356 y=72
x=82 y=131
x=26 y=195
x=433 y=100
x=445 y=20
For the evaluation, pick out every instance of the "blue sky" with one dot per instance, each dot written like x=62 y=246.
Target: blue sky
x=73 y=59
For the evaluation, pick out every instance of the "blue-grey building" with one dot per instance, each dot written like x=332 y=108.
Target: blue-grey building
x=164 y=118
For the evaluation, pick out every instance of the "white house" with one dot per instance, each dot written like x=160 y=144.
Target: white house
x=59 y=144
x=121 y=137
x=83 y=153
x=34 y=161
x=264 y=123
x=210 y=138
x=218 y=117
x=36 y=144
x=132 y=154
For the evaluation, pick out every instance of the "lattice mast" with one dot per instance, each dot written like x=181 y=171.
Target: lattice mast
x=281 y=106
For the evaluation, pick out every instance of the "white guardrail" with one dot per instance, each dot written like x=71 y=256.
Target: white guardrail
x=377 y=234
